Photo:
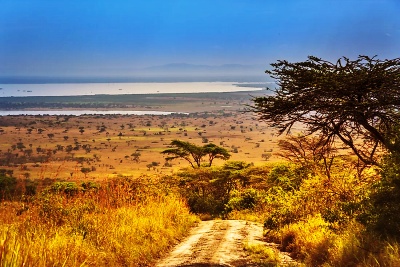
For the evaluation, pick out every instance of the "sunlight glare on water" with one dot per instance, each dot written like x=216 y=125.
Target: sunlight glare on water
x=68 y=89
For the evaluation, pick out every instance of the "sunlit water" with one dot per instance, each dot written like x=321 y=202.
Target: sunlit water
x=82 y=112
x=68 y=89
x=74 y=89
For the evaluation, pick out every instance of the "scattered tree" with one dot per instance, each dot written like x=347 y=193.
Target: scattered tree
x=215 y=152
x=20 y=146
x=85 y=171
x=308 y=152
x=194 y=154
x=136 y=156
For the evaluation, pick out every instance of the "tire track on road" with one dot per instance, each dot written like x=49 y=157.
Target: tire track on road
x=216 y=243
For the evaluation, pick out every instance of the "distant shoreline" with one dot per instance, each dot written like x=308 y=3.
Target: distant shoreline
x=84 y=112
x=90 y=89
x=164 y=102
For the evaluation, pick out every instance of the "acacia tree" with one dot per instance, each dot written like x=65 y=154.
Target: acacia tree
x=194 y=154
x=215 y=152
x=355 y=101
x=309 y=152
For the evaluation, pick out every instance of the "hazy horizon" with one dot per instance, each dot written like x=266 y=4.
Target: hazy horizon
x=174 y=72
x=40 y=38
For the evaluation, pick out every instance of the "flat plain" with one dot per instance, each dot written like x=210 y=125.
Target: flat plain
x=106 y=146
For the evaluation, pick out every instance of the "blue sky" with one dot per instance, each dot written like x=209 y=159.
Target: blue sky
x=113 y=37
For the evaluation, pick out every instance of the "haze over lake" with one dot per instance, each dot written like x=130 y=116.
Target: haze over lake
x=66 y=89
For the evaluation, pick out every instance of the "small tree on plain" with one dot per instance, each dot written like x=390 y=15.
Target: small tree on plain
x=194 y=154
x=85 y=171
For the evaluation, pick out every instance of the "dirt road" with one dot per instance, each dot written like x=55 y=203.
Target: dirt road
x=217 y=243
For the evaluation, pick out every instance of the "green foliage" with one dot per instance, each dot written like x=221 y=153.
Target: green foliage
x=281 y=208
x=68 y=188
x=383 y=210
x=287 y=176
x=241 y=200
x=30 y=187
x=208 y=190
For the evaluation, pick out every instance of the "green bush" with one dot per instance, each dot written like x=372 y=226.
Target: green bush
x=208 y=189
x=69 y=188
x=288 y=176
x=383 y=210
x=241 y=200
x=8 y=186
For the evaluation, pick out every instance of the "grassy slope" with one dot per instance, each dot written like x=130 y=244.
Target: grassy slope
x=109 y=227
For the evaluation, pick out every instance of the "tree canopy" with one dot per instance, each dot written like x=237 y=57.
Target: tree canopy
x=355 y=101
x=194 y=154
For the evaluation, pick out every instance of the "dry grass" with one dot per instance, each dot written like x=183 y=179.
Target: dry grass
x=263 y=255
x=316 y=245
x=110 y=155
x=116 y=225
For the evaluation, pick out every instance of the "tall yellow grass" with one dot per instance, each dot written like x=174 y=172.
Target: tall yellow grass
x=120 y=224
x=315 y=244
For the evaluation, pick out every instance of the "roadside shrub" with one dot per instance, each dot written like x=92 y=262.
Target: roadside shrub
x=263 y=255
x=241 y=200
x=205 y=204
x=208 y=189
x=281 y=208
x=286 y=175
x=382 y=214
x=309 y=240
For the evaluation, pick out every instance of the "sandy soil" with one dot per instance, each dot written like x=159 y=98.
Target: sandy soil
x=218 y=243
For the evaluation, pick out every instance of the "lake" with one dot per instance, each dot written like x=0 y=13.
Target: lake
x=68 y=89
x=83 y=112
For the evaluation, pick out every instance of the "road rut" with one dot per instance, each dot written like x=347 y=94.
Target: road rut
x=217 y=243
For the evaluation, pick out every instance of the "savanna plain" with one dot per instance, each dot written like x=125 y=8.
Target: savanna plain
x=96 y=190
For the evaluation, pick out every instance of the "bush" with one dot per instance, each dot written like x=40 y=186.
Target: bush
x=12 y=188
x=208 y=189
x=8 y=186
x=287 y=176
x=310 y=240
x=240 y=200
x=383 y=210
x=69 y=188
